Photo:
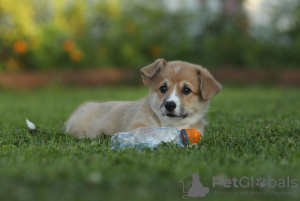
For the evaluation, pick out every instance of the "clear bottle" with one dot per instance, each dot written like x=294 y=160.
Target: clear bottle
x=152 y=137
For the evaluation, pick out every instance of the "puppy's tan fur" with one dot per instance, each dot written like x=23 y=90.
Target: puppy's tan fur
x=92 y=119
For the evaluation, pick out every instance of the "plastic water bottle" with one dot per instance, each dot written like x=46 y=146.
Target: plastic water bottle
x=152 y=137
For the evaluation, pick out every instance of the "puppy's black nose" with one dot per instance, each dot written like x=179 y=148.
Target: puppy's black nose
x=170 y=106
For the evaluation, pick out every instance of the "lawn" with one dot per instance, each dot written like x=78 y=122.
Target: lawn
x=253 y=132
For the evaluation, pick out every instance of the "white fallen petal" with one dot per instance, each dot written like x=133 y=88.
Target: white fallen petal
x=30 y=125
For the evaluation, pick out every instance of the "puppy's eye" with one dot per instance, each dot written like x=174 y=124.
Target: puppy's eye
x=186 y=91
x=163 y=89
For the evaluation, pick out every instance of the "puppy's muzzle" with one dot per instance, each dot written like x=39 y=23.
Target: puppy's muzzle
x=170 y=106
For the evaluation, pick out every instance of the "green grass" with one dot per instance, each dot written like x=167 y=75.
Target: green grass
x=253 y=131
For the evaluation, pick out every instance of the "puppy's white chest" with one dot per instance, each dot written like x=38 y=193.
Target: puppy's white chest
x=185 y=123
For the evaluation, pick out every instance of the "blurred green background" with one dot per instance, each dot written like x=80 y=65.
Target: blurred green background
x=56 y=34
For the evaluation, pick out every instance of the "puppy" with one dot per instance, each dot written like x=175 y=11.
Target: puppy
x=179 y=96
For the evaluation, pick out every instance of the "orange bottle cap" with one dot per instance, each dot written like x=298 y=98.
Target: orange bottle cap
x=192 y=134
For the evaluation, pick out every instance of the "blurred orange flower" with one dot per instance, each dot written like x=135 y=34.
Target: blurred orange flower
x=20 y=46
x=156 y=51
x=76 y=55
x=68 y=45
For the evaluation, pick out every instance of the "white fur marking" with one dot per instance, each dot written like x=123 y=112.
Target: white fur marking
x=177 y=68
x=30 y=125
x=176 y=100
x=174 y=96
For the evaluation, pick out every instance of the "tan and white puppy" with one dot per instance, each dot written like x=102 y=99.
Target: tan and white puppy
x=179 y=96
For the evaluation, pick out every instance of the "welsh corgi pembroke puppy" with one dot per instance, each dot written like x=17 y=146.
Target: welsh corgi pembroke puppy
x=179 y=96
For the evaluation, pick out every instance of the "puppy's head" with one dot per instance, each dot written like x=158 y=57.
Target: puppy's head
x=179 y=89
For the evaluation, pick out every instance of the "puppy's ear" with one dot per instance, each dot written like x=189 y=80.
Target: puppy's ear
x=209 y=87
x=149 y=71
